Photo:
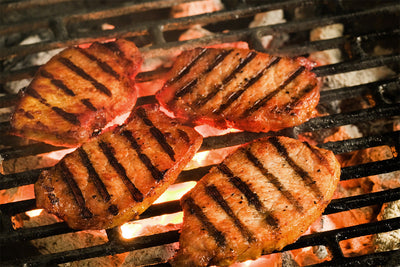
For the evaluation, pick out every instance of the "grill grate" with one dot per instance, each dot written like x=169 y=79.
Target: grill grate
x=157 y=36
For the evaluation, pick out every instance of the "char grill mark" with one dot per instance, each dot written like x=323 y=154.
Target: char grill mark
x=109 y=152
x=251 y=196
x=58 y=83
x=114 y=47
x=235 y=95
x=88 y=104
x=261 y=102
x=68 y=178
x=213 y=192
x=95 y=178
x=70 y=117
x=303 y=92
x=93 y=175
x=320 y=157
x=185 y=89
x=194 y=209
x=103 y=65
x=185 y=70
x=157 y=134
x=274 y=180
x=189 y=86
x=80 y=72
x=67 y=116
x=308 y=180
x=157 y=175
x=217 y=60
x=28 y=114
x=184 y=136
x=242 y=63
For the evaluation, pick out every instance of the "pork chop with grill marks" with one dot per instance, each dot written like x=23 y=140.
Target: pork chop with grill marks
x=240 y=88
x=259 y=199
x=115 y=176
x=77 y=93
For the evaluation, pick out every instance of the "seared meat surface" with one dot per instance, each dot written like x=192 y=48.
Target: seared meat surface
x=259 y=199
x=240 y=88
x=77 y=93
x=117 y=175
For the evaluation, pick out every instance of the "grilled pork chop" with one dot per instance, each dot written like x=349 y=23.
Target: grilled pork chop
x=258 y=200
x=240 y=88
x=117 y=175
x=77 y=93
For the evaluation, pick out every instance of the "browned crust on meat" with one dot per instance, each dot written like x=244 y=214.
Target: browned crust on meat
x=240 y=88
x=117 y=175
x=77 y=93
x=259 y=199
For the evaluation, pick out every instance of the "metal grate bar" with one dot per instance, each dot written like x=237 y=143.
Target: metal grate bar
x=19 y=179
x=109 y=248
x=320 y=45
x=314 y=124
x=35 y=233
x=183 y=23
x=336 y=205
x=388 y=258
x=349 y=145
x=354 y=65
x=173 y=236
x=28 y=150
x=125 y=8
x=359 y=90
x=369 y=169
x=335 y=120
x=355 y=202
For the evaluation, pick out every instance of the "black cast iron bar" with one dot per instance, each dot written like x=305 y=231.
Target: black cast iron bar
x=254 y=42
x=345 y=233
x=109 y=248
x=357 y=64
x=143 y=28
x=338 y=42
x=27 y=150
x=387 y=258
x=359 y=201
x=19 y=179
x=373 y=88
x=81 y=15
x=342 y=119
x=349 y=145
x=336 y=205
x=183 y=23
x=26 y=234
x=232 y=139
x=369 y=169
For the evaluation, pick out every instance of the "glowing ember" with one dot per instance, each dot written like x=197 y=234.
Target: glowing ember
x=141 y=227
x=199 y=159
x=175 y=191
x=152 y=225
x=59 y=154
x=130 y=230
x=34 y=213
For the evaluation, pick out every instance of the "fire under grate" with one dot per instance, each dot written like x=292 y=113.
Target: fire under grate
x=156 y=36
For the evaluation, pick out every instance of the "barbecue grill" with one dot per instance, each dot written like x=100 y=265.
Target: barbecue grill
x=63 y=23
